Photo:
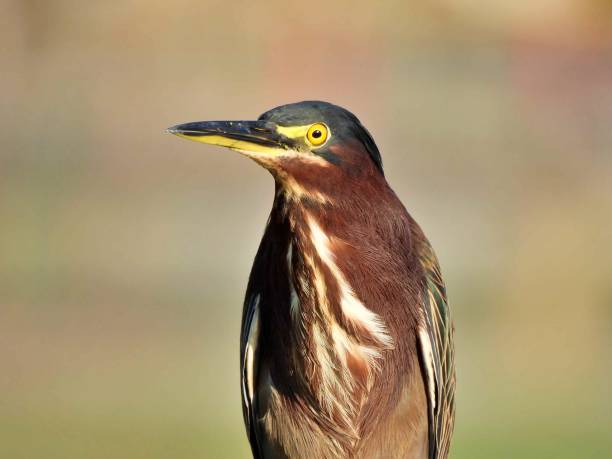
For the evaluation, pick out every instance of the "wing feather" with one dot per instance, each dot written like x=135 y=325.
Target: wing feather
x=438 y=357
x=249 y=356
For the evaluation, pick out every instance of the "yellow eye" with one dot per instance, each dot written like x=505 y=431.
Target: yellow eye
x=317 y=134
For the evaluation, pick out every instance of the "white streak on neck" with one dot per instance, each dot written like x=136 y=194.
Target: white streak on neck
x=295 y=191
x=352 y=308
x=333 y=394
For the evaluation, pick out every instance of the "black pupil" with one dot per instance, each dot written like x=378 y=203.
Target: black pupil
x=316 y=134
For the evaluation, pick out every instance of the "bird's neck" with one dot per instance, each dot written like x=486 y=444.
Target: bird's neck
x=337 y=336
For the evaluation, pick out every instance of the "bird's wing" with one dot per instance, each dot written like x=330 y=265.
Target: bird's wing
x=249 y=356
x=437 y=357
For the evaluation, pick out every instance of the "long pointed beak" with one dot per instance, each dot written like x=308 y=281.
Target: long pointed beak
x=244 y=136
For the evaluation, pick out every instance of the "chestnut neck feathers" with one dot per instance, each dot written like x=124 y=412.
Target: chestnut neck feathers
x=335 y=327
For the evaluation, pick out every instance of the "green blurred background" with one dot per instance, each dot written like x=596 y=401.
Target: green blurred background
x=124 y=251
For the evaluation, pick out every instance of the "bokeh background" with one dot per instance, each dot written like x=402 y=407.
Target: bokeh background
x=124 y=251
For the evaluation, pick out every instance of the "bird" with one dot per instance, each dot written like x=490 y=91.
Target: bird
x=346 y=343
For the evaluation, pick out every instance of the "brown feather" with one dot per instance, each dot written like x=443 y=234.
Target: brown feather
x=312 y=409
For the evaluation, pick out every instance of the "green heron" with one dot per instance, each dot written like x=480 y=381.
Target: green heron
x=346 y=349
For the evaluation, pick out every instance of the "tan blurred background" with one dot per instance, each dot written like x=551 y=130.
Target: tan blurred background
x=124 y=252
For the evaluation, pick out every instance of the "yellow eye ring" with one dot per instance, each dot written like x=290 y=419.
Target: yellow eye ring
x=317 y=134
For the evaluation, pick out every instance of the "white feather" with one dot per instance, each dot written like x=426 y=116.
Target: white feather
x=352 y=308
x=251 y=346
x=428 y=359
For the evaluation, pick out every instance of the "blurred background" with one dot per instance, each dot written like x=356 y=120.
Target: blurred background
x=124 y=251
